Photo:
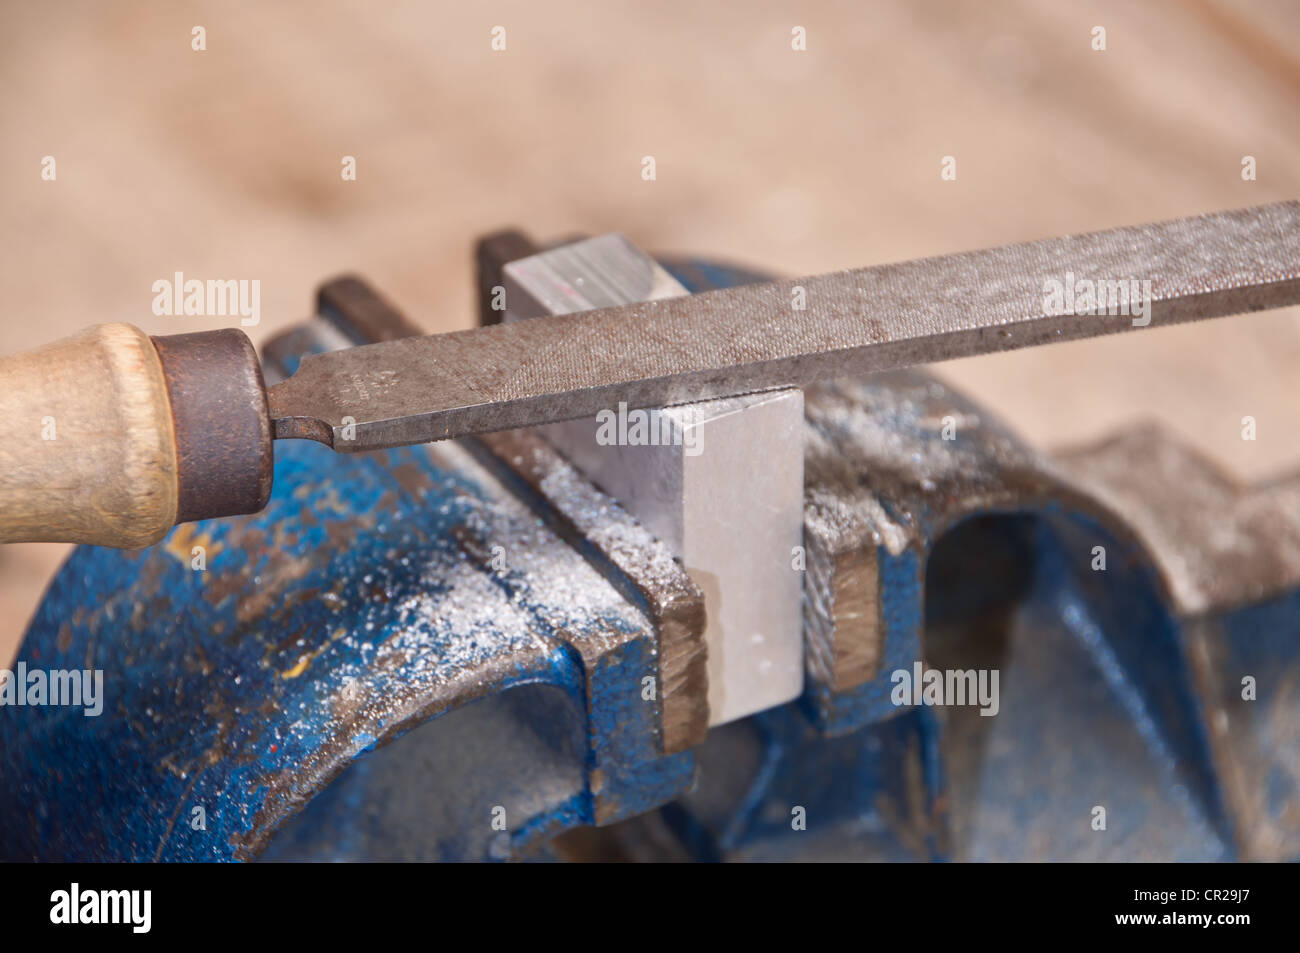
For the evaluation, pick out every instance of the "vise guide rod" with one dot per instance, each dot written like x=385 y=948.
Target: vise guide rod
x=148 y=432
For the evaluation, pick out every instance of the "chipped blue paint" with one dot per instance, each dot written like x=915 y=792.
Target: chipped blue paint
x=355 y=607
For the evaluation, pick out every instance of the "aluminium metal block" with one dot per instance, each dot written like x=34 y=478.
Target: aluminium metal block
x=720 y=482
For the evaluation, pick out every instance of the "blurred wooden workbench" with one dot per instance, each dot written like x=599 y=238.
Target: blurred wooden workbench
x=226 y=163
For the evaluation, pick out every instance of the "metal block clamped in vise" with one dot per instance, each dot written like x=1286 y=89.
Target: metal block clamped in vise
x=540 y=644
x=720 y=482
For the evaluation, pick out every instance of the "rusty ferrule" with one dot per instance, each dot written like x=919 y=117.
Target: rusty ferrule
x=223 y=428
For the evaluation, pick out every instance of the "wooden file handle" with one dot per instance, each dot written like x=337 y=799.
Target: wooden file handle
x=111 y=437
